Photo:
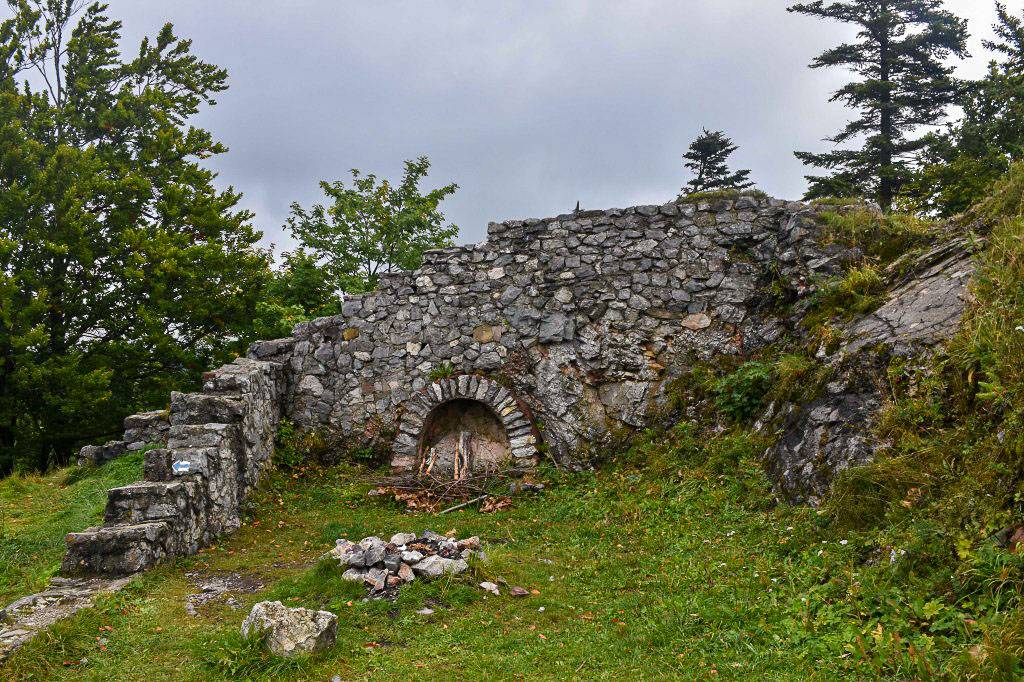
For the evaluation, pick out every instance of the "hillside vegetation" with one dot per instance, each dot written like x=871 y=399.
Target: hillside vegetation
x=671 y=559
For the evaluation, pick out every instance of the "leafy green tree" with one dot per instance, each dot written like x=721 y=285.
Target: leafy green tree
x=300 y=290
x=123 y=271
x=962 y=163
x=904 y=84
x=706 y=159
x=373 y=227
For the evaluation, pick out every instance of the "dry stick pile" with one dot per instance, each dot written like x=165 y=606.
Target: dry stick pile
x=432 y=494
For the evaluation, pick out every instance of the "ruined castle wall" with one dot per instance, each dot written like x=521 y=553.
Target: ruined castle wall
x=219 y=443
x=582 y=316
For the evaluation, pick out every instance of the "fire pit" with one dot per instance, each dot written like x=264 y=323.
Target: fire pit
x=462 y=427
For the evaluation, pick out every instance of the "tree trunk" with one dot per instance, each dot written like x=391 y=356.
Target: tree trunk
x=887 y=133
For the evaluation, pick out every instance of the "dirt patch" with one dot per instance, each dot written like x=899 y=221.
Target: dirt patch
x=220 y=588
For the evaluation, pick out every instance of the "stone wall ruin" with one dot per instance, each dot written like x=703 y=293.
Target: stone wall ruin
x=536 y=341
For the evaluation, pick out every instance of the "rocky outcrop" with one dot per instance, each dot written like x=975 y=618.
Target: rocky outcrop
x=834 y=432
x=290 y=632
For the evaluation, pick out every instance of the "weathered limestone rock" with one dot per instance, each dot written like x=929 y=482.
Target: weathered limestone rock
x=291 y=632
x=436 y=566
x=833 y=432
x=25 y=618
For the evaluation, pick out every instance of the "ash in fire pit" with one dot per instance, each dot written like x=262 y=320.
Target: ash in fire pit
x=462 y=438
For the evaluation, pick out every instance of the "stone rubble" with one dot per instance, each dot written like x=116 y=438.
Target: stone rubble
x=289 y=632
x=25 y=618
x=385 y=566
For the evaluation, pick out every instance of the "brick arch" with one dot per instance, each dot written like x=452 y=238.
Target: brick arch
x=500 y=400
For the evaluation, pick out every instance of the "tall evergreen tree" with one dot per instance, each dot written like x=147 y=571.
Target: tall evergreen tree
x=1009 y=43
x=706 y=159
x=123 y=271
x=962 y=162
x=904 y=84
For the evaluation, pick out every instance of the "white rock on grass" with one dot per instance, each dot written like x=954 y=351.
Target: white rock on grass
x=290 y=632
x=354 y=574
x=400 y=539
x=490 y=587
x=436 y=566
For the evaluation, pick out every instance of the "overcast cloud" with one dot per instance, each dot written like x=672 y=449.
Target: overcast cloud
x=528 y=106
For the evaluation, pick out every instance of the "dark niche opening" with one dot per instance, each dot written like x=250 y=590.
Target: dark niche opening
x=462 y=438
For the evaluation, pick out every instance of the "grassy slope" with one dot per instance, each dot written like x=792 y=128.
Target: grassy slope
x=651 y=568
x=669 y=561
x=37 y=511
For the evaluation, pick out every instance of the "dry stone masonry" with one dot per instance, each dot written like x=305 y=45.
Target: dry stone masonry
x=493 y=355
x=140 y=431
x=218 y=444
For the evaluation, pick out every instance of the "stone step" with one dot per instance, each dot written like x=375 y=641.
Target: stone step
x=202 y=408
x=116 y=550
x=150 y=501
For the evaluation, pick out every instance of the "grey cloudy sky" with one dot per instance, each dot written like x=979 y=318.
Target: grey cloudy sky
x=529 y=105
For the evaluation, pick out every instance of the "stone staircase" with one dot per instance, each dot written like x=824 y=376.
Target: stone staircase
x=218 y=446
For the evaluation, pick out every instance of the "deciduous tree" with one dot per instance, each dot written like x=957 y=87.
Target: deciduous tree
x=123 y=271
x=373 y=226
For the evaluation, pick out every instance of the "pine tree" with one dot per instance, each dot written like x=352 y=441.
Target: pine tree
x=1009 y=32
x=904 y=84
x=962 y=162
x=706 y=159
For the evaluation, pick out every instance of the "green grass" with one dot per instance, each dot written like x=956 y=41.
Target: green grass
x=722 y=194
x=672 y=561
x=37 y=511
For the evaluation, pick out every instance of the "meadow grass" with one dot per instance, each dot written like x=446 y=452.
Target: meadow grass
x=672 y=561
x=38 y=510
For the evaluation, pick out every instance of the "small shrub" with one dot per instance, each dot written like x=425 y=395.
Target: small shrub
x=741 y=394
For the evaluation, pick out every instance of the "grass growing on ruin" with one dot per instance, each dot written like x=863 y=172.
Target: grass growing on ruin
x=38 y=510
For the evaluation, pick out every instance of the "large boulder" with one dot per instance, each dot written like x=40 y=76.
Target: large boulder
x=290 y=632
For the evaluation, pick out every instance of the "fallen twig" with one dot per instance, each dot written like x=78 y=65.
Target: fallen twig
x=464 y=504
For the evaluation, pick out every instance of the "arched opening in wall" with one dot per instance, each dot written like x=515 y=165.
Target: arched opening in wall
x=462 y=438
